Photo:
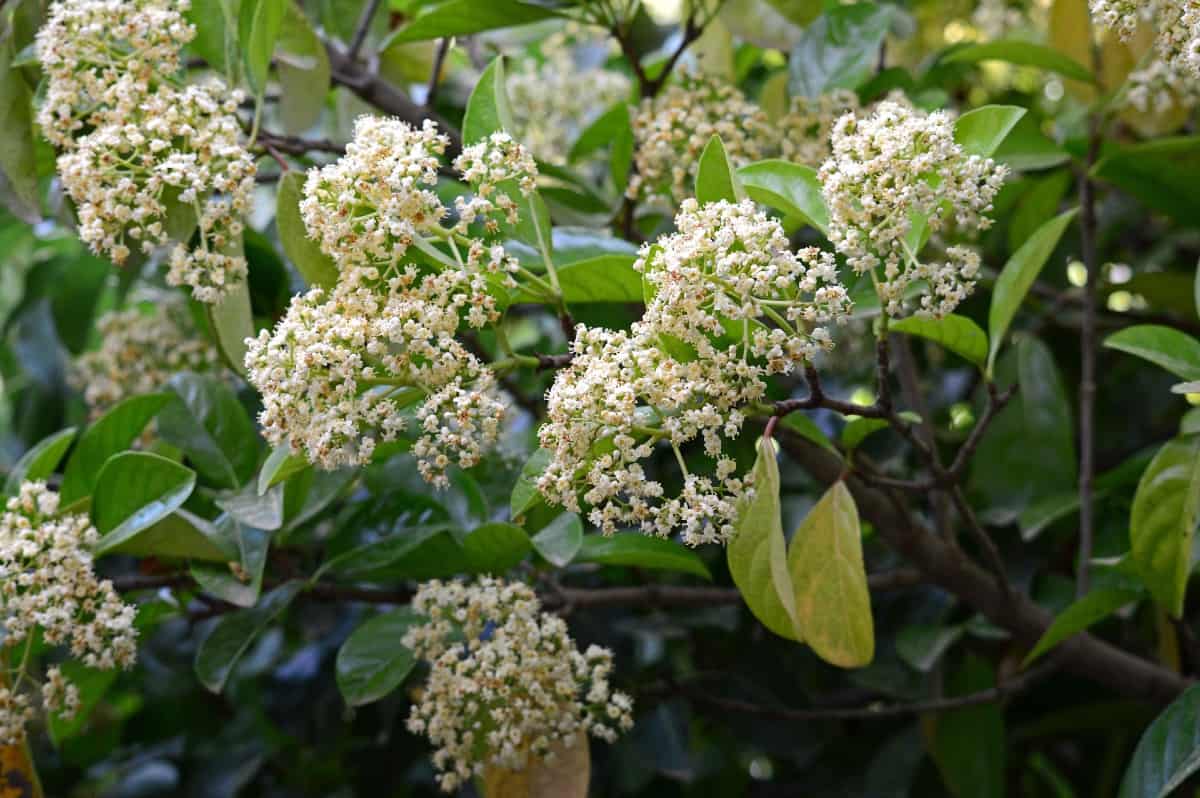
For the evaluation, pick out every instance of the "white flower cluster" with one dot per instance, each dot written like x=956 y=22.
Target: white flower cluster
x=491 y=167
x=365 y=209
x=732 y=305
x=506 y=684
x=377 y=355
x=671 y=131
x=343 y=371
x=1177 y=25
x=555 y=97
x=142 y=155
x=804 y=131
x=892 y=167
x=141 y=348
x=47 y=584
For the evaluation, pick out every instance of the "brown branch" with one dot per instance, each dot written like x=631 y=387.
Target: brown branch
x=295 y=145
x=991 y=695
x=1088 y=354
x=362 y=29
x=550 y=362
x=946 y=566
x=435 y=77
x=368 y=85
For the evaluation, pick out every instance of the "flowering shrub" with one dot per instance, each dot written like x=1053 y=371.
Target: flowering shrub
x=536 y=399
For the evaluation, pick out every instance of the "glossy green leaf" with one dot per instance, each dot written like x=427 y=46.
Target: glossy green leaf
x=525 y=495
x=605 y=278
x=923 y=646
x=968 y=744
x=135 y=491
x=1023 y=53
x=1035 y=206
x=839 y=49
x=825 y=560
x=487 y=108
x=1083 y=613
x=496 y=547
x=304 y=72
x=608 y=127
x=279 y=465
x=641 y=551
x=1163 y=519
x=787 y=187
x=233 y=323
x=1018 y=275
x=111 y=433
x=982 y=130
x=40 y=461
x=424 y=552
x=373 y=662
x=211 y=427
x=259 y=23
x=1169 y=751
x=558 y=541
x=716 y=178
x=463 y=17
x=757 y=553
x=317 y=268
x=956 y=333
x=1027 y=148
x=218 y=654
x=1161 y=174
x=806 y=428
x=216 y=23
x=858 y=430
x=1166 y=347
x=18 y=163
x=251 y=545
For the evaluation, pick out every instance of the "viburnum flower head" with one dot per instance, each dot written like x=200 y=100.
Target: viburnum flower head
x=141 y=348
x=496 y=168
x=892 y=166
x=103 y=58
x=340 y=373
x=729 y=271
x=671 y=131
x=1176 y=23
x=506 y=684
x=47 y=585
x=365 y=209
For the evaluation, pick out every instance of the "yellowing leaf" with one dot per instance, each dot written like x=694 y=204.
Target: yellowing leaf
x=1071 y=35
x=757 y=553
x=566 y=776
x=826 y=565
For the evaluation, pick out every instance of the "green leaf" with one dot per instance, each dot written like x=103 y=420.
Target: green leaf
x=247 y=506
x=788 y=187
x=496 y=547
x=825 y=561
x=40 y=461
x=858 y=430
x=18 y=162
x=251 y=545
x=1022 y=53
x=605 y=278
x=1036 y=205
x=1163 y=519
x=111 y=433
x=715 y=176
x=259 y=23
x=1011 y=478
x=641 y=551
x=304 y=73
x=279 y=465
x=839 y=49
x=216 y=23
x=219 y=653
x=757 y=553
x=608 y=127
x=525 y=495
x=922 y=646
x=463 y=17
x=373 y=662
x=982 y=131
x=1175 y=351
x=233 y=323
x=424 y=552
x=1083 y=613
x=317 y=268
x=92 y=684
x=134 y=492
x=1161 y=174
x=558 y=541
x=968 y=744
x=957 y=333
x=1169 y=751
x=806 y=428
x=487 y=108
x=1018 y=275
x=1028 y=148
x=211 y=427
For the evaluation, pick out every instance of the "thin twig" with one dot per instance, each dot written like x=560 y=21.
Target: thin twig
x=435 y=77
x=363 y=28
x=295 y=145
x=991 y=554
